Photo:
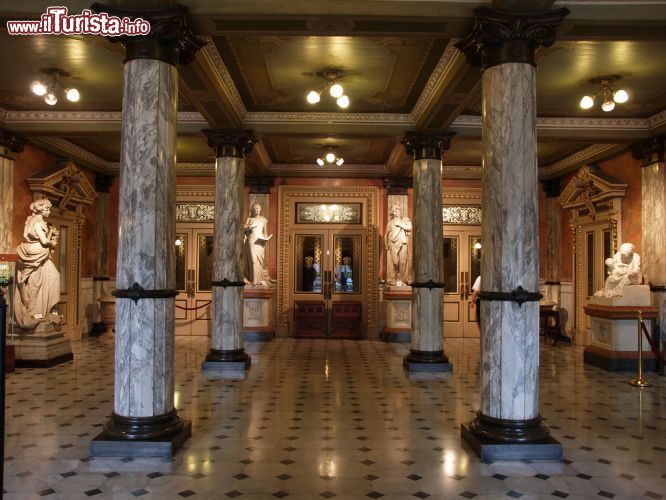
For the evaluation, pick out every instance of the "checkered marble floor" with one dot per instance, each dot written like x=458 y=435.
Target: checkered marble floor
x=333 y=419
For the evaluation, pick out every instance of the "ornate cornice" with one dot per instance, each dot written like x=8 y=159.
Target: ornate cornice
x=170 y=38
x=445 y=65
x=649 y=151
x=236 y=143
x=195 y=168
x=195 y=191
x=657 y=120
x=264 y=117
x=581 y=157
x=76 y=153
x=9 y=140
x=427 y=145
x=345 y=170
x=224 y=80
x=500 y=37
x=461 y=193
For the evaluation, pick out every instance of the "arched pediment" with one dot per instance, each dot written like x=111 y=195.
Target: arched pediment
x=65 y=185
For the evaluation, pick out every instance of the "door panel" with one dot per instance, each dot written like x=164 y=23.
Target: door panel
x=194 y=273
x=327 y=287
x=462 y=265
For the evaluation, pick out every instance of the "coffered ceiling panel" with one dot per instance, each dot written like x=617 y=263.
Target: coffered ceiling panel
x=379 y=74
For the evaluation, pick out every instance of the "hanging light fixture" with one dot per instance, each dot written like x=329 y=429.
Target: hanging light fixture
x=48 y=88
x=609 y=96
x=334 y=89
x=330 y=158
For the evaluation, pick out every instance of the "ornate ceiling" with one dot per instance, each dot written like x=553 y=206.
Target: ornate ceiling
x=399 y=68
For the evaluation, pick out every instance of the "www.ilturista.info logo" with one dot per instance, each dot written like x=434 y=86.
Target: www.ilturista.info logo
x=57 y=21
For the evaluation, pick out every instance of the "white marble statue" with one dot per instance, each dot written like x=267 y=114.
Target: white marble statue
x=37 y=278
x=623 y=269
x=396 y=240
x=256 y=238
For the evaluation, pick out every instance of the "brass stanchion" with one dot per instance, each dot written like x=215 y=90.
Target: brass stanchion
x=640 y=381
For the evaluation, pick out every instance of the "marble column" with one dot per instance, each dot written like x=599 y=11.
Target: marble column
x=653 y=228
x=508 y=425
x=10 y=144
x=427 y=351
x=227 y=352
x=145 y=421
x=553 y=240
x=101 y=262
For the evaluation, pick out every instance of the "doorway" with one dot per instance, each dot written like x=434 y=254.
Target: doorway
x=327 y=289
x=194 y=274
x=462 y=265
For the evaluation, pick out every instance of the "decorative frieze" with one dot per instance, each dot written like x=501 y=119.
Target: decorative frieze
x=195 y=212
x=461 y=215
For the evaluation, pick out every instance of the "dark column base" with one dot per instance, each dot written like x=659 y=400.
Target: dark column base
x=159 y=436
x=427 y=361
x=44 y=363
x=499 y=439
x=232 y=360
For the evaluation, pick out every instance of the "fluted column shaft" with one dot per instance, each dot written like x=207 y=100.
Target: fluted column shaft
x=503 y=44
x=227 y=330
x=427 y=320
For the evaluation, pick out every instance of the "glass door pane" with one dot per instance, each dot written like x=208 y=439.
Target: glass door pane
x=347 y=263
x=450 y=264
x=181 y=260
x=205 y=263
x=308 y=264
x=474 y=259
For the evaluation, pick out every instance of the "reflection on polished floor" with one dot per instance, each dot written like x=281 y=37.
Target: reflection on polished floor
x=333 y=419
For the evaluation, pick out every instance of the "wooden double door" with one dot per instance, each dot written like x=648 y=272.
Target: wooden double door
x=328 y=283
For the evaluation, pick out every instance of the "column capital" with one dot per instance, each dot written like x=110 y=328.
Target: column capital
x=9 y=140
x=170 y=39
x=650 y=150
x=427 y=145
x=500 y=36
x=235 y=143
x=552 y=188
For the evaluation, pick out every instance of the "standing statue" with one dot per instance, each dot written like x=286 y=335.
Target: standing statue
x=396 y=240
x=255 y=247
x=37 y=278
x=623 y=269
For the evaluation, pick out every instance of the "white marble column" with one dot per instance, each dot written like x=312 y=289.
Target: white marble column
x=427 y=353
x=653 y=199
x=504 y=44
x=227 y=352
x=10 y=144
x=101 y=245
x=145 y=421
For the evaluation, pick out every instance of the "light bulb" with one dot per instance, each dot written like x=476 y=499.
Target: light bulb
x=343 y=101
x=340 y=161
x=330 y=157
x=178 y=242
x=72 y=94
x=608 y=106
x=620 y=96
x=51 y=99
x=587 y=102
x=336 y=90
x=313 y=97
x=38 y=87
x=320 y=162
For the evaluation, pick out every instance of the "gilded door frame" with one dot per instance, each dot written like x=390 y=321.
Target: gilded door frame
x=288 y=196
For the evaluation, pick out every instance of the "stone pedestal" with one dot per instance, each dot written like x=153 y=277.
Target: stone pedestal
x=614 y=326
x=258 y=314
x=43 y=347
x=397 y=314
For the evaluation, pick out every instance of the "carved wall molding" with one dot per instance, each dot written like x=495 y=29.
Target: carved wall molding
x=460 y=193
x=265 y=117
x=579 y=158
x=657 y=120
x=195 y=191
x=195 y=212
x=461 y=215
x=224 y=78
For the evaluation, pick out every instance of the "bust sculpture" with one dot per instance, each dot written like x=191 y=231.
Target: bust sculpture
x=37 y=278
x=624 y=268
x=255 y=247
x=396 y=240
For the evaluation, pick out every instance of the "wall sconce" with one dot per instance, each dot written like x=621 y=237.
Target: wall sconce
x=48 y=89
x=608 y=95
x=334 y=89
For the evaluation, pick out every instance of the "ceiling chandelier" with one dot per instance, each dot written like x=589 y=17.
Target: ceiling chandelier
x=334 y=89
x=330 y=158
x=606 y=93
x=48 y=88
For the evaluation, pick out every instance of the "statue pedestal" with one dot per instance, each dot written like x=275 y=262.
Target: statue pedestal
x=257 y=314
x=43 y=347
x=397 y=314
x=614 y=326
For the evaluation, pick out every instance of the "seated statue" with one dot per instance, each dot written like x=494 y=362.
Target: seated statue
x=623 y=269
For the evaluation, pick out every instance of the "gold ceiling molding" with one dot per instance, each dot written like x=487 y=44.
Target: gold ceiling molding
x=583 y=156
x=266 y=117
x=63 y=147
x=195 y=191
x=445 y=65
x=460 y=193
x=657 y=120
x=88 y=116
x=593 y=123
x=225 y=81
